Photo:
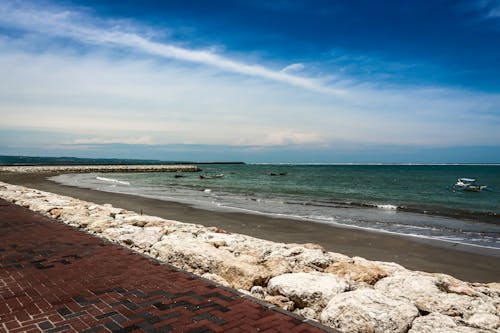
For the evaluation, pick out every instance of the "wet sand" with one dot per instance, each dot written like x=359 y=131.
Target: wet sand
x=464 y=262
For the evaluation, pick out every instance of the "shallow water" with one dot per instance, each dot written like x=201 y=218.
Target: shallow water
x=414 y=200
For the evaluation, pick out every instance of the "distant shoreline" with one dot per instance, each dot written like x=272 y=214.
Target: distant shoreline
x=100 y=168
x=12 y=160
x=39 y=160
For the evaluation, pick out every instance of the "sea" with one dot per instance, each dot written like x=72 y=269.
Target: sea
x=414 y=200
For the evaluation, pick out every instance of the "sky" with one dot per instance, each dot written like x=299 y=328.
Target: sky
x=255 y=81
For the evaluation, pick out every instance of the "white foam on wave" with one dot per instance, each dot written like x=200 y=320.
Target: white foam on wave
x=111 y=180
x=387 y=207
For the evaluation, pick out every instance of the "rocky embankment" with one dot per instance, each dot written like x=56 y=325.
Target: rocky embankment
x=101 y=168
x=350 y=294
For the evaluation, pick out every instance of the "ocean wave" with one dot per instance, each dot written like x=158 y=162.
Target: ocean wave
x=370 y=216
x=112 y=180
x=387 y=207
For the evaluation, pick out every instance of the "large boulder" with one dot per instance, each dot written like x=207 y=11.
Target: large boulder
x=359 y=270
x=138 y=220
x=301 y=257
x=435 y=293
x=484 y=320
x=136 y=237
x=186 y=251
x=312 y=290
x=438 y=323
x=367 y=310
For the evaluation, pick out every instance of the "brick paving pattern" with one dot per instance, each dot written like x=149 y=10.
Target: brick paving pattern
x=54 y=278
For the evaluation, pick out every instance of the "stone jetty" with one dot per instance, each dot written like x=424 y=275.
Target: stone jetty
x=101 y=168
x=351 y=294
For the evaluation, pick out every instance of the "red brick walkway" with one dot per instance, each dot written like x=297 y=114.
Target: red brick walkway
x=54 y=278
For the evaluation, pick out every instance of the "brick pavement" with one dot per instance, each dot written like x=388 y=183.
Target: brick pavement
x=54 y=278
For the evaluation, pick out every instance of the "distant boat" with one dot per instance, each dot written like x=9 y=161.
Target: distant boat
x=276 y=174
x=221 y=175
x=469 y=184
x=178 y=175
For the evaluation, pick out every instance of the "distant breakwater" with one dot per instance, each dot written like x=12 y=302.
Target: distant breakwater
x=100 y=168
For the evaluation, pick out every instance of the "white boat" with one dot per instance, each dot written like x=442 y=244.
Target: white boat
x=469 y=184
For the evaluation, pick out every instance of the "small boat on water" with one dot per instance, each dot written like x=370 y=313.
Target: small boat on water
x=469 y=184
x=221 y=175
x=277 y=174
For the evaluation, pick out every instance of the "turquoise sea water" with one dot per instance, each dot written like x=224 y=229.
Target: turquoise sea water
x=416 y=200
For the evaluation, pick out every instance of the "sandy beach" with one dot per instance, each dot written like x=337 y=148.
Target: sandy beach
x=464 y=262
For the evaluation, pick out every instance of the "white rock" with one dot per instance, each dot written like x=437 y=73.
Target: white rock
x=307 y=313
x=432 y=294
x=96 y=224
x=258 y=291
x=484 y=320
x=312 y=290
x=281 y=301
x=367 y=310
x=141 y=238
x=139 y=220
x=438 y=323
x=124 y=230
x=215 y=278
x=359 y=270
x=184 y=250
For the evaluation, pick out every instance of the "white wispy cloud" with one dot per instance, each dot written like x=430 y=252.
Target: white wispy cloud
x=87 y=29
x=98 y=98
x=487 y=9
x=143 y=140
x=90 y=96
x=490 y=8
x=289 y=137
x=293 y=67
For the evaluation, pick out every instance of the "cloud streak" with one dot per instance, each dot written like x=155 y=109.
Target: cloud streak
x=293 y=67
x=77 y=26
x=143 y=140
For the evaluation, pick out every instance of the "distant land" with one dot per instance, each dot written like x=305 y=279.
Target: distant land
x=37 y=160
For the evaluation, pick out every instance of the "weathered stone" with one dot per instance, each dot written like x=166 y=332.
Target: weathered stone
x=281 y=301
x=494 y=285
x=307 y=313
x=390 y=267
x=312 y=290
x=218 y=230
x=138 y=220
x=431 y=294
x=358 y=269
x=258 y=291
x=449 y=284
x=277 y=266
x=55 y=212
x=100 y=168
x=484 y=320
x=283 y=258
x=99 y=225
x=141 y=238
x=438 y=323
x=367 y=310
x=215 y=278
x=187 y=252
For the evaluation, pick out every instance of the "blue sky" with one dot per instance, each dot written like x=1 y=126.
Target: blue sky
x=259 y=81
